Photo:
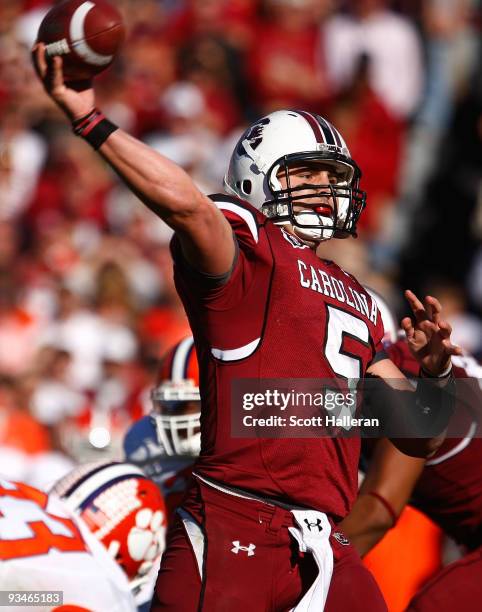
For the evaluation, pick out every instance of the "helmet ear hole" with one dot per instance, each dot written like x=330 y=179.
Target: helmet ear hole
x=246 y=186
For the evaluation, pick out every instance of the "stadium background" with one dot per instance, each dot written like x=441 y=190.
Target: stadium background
x=87 y=303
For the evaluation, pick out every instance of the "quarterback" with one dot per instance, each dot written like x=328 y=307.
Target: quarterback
x=258 y=525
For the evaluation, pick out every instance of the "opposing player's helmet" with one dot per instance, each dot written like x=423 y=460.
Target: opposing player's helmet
x=176 y=401
x=285 y=138
x=143 y=448
x=123 y=509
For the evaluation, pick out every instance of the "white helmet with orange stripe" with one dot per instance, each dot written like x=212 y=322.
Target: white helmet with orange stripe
x=285 y=138
x=177 y=402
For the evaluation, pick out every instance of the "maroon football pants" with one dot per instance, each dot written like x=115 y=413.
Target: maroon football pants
x=251 y=563
x=457 y=587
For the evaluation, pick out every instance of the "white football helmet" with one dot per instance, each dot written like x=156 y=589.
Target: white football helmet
x=289 y=137
x=124 y=510
x=176 y=401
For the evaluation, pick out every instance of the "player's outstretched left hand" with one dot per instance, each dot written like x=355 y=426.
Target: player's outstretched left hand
x=428 y=336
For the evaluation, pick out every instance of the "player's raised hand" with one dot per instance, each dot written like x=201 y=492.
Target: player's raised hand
x=428 y=336
x=75 y=99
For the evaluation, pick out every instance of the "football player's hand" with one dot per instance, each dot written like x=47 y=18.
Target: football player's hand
x=75 y=99
x=428 y=336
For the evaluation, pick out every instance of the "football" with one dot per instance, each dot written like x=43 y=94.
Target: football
x=86 y=34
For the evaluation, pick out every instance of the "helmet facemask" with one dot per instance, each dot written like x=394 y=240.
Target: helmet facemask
x=344 y=196
x=176 y=414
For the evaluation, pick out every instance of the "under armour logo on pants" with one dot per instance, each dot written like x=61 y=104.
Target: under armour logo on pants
x=316 y=524
x=237 y=547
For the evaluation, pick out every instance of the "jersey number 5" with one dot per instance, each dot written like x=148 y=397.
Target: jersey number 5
x=341 y=324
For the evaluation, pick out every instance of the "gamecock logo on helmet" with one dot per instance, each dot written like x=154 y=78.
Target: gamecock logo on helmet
x=254 y=135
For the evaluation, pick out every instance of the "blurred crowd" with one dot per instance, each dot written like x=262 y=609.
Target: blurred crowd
x=87 y=303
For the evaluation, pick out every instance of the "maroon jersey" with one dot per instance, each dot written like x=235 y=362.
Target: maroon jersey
x=449 y=490
x=283 y=313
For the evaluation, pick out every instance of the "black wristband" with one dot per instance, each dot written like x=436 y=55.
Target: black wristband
x=94 y=128
x=435 y=405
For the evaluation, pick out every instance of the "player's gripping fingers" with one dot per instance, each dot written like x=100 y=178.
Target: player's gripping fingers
x=55 y=74
x=48 y=69
x=39 y=61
